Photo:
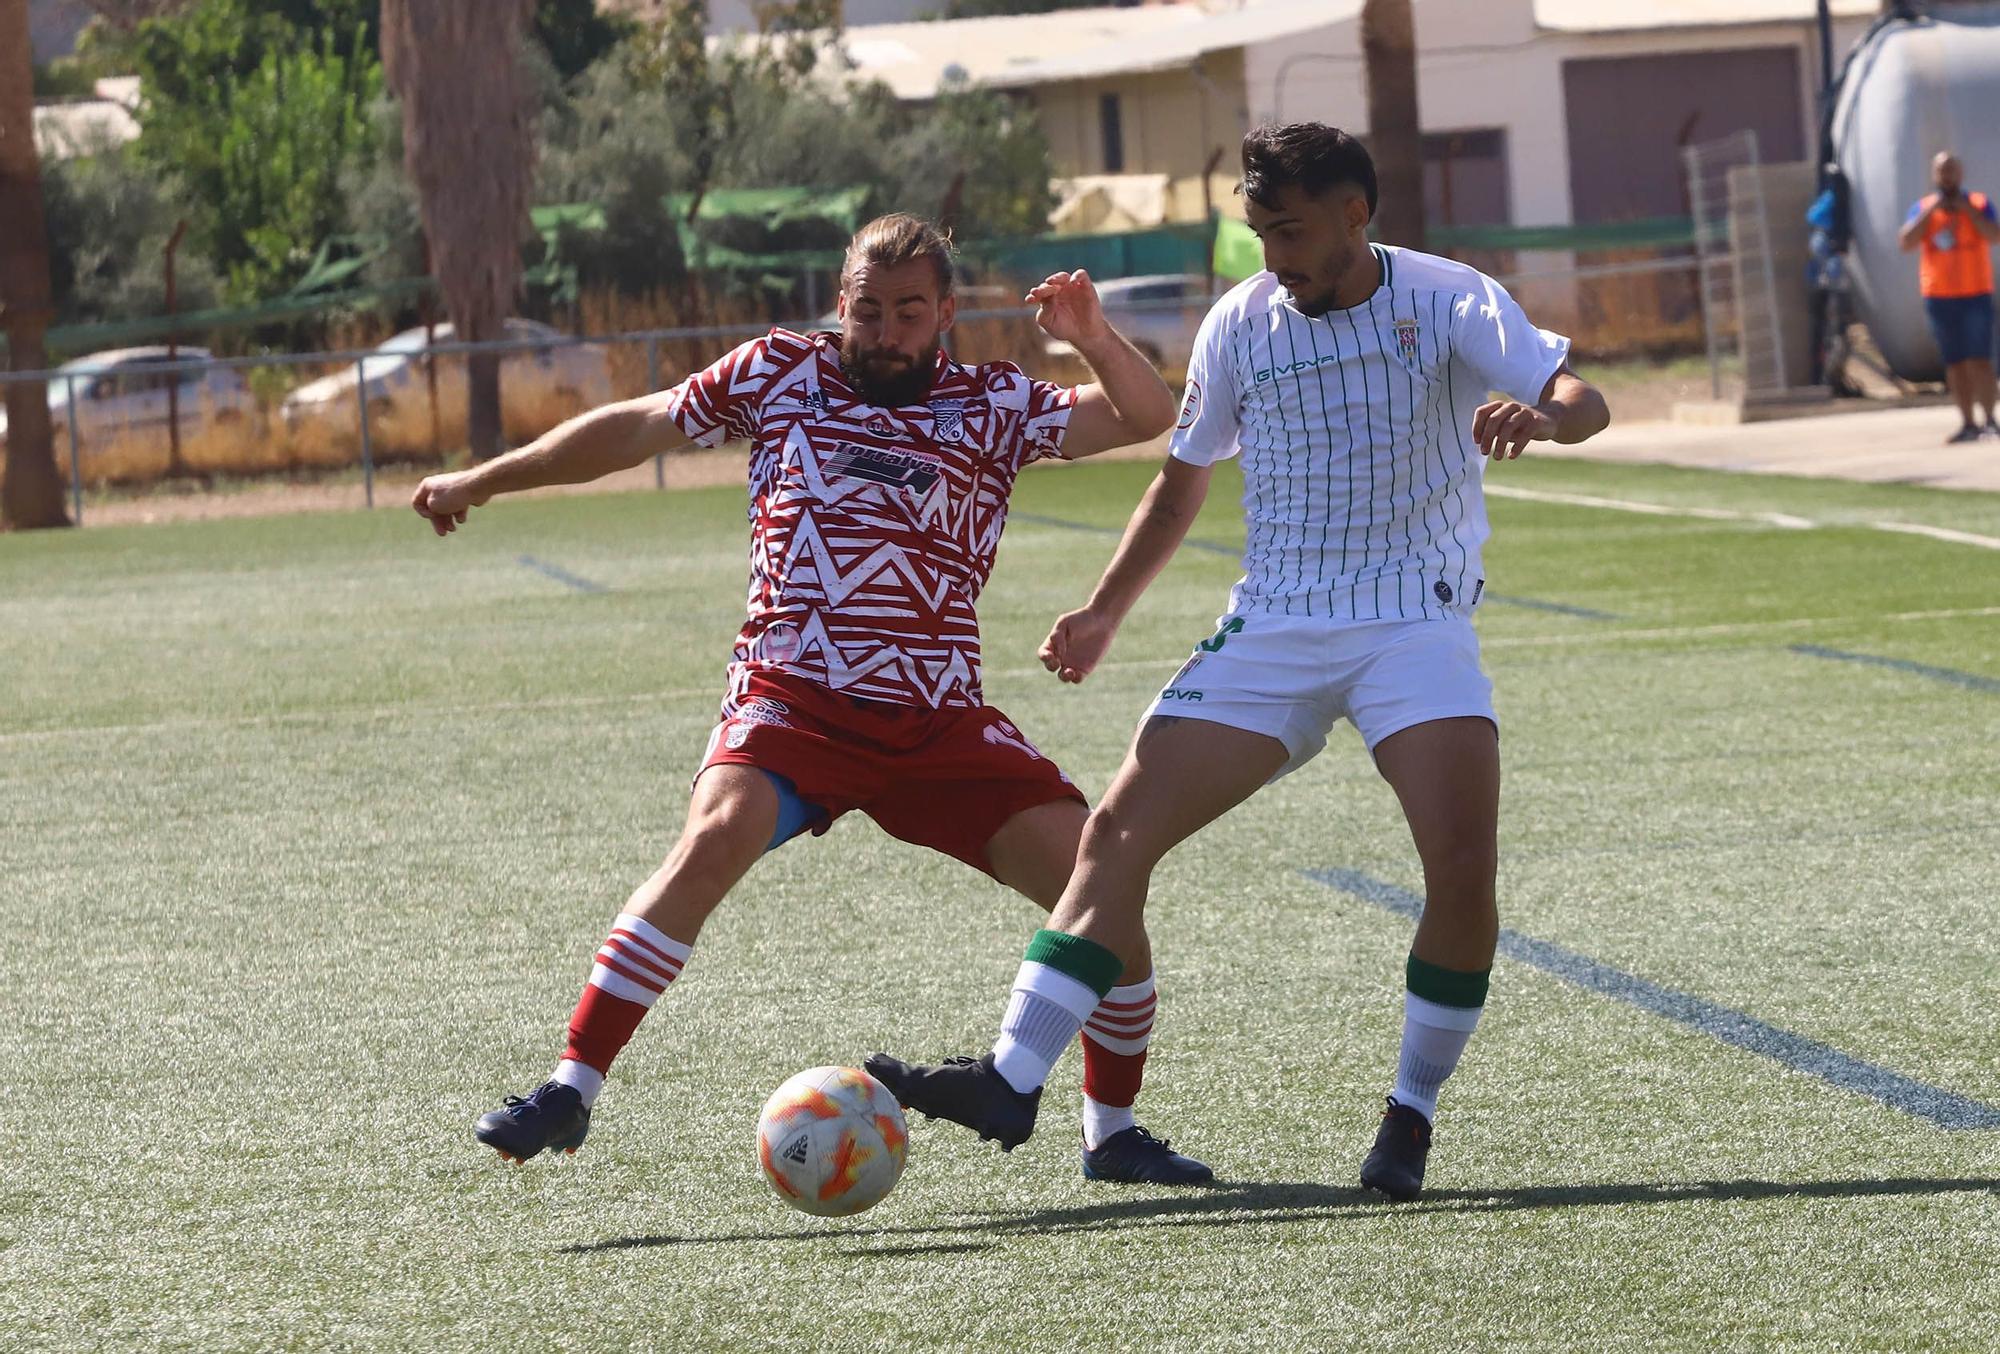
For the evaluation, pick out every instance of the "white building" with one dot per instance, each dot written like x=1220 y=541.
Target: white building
x=1536 y=112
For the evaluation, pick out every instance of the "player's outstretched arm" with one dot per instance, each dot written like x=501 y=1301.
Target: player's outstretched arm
x=1570 y=410
x=1079 y=639
x=1128 y=402
x=587 y=447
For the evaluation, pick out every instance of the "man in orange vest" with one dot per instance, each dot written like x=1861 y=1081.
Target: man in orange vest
x=1956 y=230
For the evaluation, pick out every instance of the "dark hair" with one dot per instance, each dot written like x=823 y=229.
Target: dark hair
x=1310 y=155
x=893 y=240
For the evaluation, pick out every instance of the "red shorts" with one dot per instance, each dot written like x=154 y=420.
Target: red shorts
x=947 y=779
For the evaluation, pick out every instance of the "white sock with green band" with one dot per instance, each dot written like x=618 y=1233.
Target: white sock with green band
x=1061 y=980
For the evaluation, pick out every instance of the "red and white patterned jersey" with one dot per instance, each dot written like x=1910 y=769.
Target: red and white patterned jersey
x=873 y=529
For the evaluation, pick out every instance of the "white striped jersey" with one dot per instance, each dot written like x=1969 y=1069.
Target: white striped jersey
x=1361 y=481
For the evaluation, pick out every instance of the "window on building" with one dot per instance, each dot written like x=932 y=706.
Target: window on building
x=1114 y=133
x=1465 y=178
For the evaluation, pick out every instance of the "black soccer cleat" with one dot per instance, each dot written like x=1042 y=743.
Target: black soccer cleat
x=1132 y=1156
x=1396 y=1165
x=552 y=1118
x=964 y=1090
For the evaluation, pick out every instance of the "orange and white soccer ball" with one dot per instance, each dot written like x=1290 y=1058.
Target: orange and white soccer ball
x=832 y=1141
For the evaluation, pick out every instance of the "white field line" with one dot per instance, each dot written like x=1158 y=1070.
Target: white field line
x=1776 y=519
x=364 y=713
x=1609 y=636
x=1940 y=534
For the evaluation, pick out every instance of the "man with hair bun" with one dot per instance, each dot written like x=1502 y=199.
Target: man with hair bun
x=880 y=472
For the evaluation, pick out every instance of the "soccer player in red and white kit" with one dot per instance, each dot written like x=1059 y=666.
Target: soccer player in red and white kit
x=880 y=472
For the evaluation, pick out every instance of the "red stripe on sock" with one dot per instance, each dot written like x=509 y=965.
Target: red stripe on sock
x=1127 y=1005
x=1124 y=1029
x=648 y=946
x=639 y=961
x=631 y=975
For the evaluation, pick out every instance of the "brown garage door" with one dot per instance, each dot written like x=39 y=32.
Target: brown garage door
x=1629 y=117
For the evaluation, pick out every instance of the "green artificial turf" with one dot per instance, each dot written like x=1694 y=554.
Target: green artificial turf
x=311 y=825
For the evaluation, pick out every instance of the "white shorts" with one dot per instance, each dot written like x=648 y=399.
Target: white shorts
x=1293 y=677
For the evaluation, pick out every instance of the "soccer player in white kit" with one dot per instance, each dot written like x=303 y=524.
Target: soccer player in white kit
x=1353 y=380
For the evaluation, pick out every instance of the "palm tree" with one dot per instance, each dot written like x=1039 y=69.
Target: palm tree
x=468 y=146
x=33 y=493
x=1389 y=46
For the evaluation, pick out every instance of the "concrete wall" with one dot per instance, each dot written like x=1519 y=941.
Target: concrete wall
x=1482 y=63
x=1171 y=122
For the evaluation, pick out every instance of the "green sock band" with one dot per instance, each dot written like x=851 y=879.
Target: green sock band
x=1446 y=986
x=1084 y=960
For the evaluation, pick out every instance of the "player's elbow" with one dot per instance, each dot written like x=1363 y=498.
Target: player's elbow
x=1156 y=420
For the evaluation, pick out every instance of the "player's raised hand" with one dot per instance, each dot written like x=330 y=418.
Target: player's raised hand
x=444 y=500
x=1077 y=643
x=1502 y=428
x=1067 y=308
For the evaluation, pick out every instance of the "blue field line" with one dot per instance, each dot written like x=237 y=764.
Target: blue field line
x=1236 y=552
x=561 y=575
x=1971 y=681
x=1944 y=1108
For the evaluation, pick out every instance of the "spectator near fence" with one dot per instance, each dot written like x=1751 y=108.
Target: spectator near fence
x=1955 y=231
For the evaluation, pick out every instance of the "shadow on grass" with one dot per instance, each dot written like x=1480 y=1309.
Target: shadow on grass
x=1227 y=1205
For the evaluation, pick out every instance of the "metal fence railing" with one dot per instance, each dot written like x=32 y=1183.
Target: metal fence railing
x=136 y=417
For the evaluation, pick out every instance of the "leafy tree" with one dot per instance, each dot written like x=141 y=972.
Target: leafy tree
x=255 y=120
x=109 y=218
x=575 y=35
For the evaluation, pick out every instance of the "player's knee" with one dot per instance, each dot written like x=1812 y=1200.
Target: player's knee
x=1117 y=835
x=718 y=847
x=1460 y=872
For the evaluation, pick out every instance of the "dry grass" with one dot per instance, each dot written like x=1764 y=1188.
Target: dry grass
x=1632 y=316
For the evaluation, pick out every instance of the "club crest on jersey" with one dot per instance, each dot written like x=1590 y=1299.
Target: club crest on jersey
x=1443 y=591
x=1407 y=345
x=948 y=420
x=780 y=643
x=909 y=470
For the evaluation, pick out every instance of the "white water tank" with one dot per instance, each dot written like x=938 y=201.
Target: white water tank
x=1912 y=90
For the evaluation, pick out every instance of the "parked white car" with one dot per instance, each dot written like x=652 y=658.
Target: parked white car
x=575 y=375
x=125 y=391
x=1159 y=312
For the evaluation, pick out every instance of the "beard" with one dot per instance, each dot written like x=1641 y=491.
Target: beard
x=1315 y=296
x=889 y=384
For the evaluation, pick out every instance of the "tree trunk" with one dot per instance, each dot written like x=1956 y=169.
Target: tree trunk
x=1389 y=47
x=469 y=148
x=33 y=493
x=483 y=425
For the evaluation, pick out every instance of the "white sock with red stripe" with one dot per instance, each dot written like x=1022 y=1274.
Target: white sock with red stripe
x=634 y=965
x=1115 y=1038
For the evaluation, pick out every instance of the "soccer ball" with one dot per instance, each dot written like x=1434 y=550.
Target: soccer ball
x=832 y=1141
